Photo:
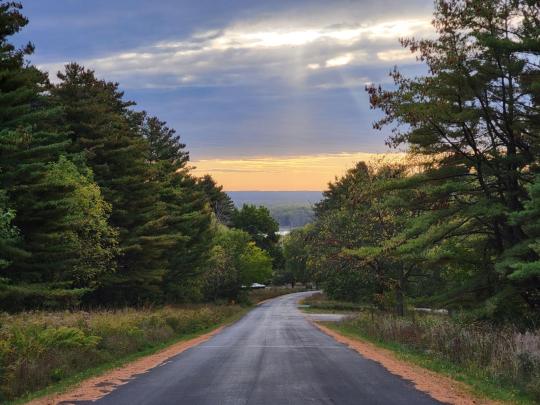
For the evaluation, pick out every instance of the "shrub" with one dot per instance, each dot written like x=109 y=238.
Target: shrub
x=40 y=348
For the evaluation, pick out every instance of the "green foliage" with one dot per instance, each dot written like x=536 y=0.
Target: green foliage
x=9 y=235
x=296 y=255
x=235 y=262
x=97 y=203
x=255 y=265
x=106 y=132
x=474 y=120
x=184 y=224
x=458 y=226
x=262 y=228
x=61 y=220
x=41 y=348
x=222 y=205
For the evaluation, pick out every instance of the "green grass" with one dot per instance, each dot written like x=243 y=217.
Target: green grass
x=68 y=383
x=320 y=304
x=480 y=383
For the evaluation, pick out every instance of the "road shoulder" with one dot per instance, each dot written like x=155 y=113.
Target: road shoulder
x=97 y=387
x=439 y=387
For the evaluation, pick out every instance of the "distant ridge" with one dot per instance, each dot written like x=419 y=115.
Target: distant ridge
x=275 y=198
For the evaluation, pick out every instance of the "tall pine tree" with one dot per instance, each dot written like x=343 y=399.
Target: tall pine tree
x=106 y=132
x=184 y=217
x=475 y=118
x=51 y=205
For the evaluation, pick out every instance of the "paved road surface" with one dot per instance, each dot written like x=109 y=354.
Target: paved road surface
x=272 y=356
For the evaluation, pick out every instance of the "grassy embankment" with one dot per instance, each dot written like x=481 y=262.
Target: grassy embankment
x=498 y=363
x=47 y=352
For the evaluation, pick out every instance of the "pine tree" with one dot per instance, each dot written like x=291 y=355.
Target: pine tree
x=472 y=118
x=33 y=148
x=222 y=205
x=9 y=235
x=107 y=133
x=184 y=218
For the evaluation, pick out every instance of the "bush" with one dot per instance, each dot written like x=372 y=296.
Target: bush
x=40 y=348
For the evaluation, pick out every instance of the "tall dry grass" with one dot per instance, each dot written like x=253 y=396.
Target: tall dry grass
x=41 y=348
x=500 y=354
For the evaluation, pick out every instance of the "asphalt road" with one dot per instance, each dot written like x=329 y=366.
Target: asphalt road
x=272 y=356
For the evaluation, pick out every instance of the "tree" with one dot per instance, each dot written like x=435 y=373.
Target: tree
x=49 y=204
x=235 y=262
x=296 y=254
x=9 y=235
x=351 y=247
x=222 y=205
x=107 y=133
x=184 y=216
x=475 y=119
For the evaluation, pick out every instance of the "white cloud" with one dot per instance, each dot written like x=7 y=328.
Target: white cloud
x=250 y=52
x=394 y=55
x=341 y=60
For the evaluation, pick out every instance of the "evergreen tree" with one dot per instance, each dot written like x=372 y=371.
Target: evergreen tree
x=184 y=217
x=475 y=119
x=107 y=133
x=9 y=235
x=32 y=144
x=222 y=205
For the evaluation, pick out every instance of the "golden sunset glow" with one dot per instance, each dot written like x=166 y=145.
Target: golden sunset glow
x=285 y=173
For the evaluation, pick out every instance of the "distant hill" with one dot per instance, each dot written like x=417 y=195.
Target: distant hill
x=276 y=198
x=292 y=209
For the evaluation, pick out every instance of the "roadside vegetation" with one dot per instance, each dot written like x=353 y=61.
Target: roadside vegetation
x=98 y=204
x=38 y=349
x=41 y=349
x=454 y=225
x=497 y=363
x=319 y=303
x=500 y=363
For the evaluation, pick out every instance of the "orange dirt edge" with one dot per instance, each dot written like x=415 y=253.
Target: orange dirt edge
x=439 y=387
x=99 y=386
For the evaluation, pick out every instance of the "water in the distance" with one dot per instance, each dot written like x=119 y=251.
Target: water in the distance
x=291 y=209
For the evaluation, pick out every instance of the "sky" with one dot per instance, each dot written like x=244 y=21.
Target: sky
x=267 y=95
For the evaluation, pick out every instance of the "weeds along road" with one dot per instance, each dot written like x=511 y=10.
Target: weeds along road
x=272 y=356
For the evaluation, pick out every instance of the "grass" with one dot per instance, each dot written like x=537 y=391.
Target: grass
x=71 y=381
x=43 y=353
x=320 y=304
x=40 y=350
x=493 y=363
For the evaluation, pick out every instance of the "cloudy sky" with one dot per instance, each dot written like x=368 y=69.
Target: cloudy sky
x=245 y=82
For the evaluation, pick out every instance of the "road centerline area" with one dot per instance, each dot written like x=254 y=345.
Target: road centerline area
x=273 y=355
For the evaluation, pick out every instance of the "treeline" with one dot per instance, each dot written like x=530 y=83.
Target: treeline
x=97 y=202
x=458 y=225
x=292 y=216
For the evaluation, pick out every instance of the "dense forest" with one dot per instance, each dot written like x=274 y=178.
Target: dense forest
x=458 y=225
x=97 y=203
x=98 y=206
